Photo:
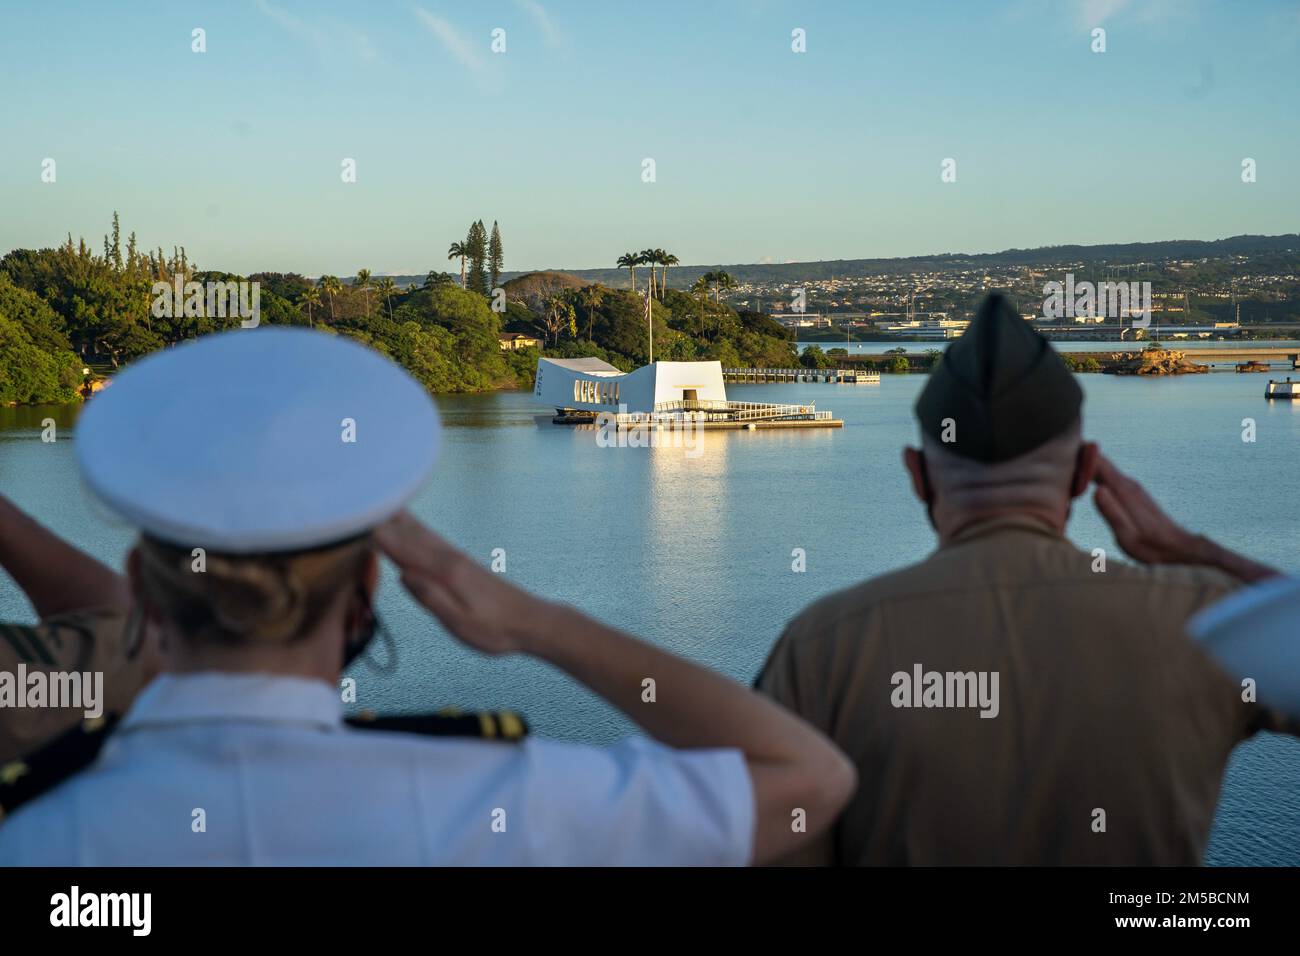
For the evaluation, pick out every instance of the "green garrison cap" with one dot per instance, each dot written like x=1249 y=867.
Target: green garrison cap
x=1004 y=387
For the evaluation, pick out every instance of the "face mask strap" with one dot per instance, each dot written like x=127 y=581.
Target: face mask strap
x=371 y=627
x=133 y=631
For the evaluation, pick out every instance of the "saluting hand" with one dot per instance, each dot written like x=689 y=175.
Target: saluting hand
x=788 y=762
x=477 y=606
x=1142 y=529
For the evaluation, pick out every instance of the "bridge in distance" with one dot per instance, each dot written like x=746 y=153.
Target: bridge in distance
x=1288 y=354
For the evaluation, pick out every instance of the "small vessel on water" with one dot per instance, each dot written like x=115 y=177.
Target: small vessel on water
x=1287 y=389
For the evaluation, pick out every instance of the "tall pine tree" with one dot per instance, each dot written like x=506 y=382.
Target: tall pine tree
x=477 y=241
x=495 y=254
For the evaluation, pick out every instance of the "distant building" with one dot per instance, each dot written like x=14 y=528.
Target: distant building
x=510 y=341
x=932 y=328
x=802 y=320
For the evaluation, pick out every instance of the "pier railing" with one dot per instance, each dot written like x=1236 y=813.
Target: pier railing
x=761 y=375
x=684 y=413
x=740 y=411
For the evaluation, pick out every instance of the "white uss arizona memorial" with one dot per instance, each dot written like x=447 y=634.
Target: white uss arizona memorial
x=670 y=394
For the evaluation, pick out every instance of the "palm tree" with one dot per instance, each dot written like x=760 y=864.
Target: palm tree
x=666 y=259
x=332 y=287
x=460 y=249
x=728 y=281
x=720 y=280
x=629 y=261
x=362 y=282
x=590 y=297
x=659 y=256
x=309 y=298
x=386 y=288
x=649 y=258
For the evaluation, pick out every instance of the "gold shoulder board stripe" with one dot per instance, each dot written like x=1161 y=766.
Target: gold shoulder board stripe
x=512 y=728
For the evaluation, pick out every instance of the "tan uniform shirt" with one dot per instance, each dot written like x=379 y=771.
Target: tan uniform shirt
x=1107 y=715
x=91 y=641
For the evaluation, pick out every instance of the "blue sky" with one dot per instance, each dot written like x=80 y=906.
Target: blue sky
x=761 y=154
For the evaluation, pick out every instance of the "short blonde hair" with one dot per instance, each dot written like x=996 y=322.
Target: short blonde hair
x=260 y=598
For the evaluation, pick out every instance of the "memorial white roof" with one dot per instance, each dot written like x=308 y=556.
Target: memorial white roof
x=587 y=366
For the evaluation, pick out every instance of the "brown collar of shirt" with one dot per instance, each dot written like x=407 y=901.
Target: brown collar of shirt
x=1001 y=523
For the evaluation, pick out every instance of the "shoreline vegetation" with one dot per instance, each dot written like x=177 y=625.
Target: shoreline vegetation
x=70 y=316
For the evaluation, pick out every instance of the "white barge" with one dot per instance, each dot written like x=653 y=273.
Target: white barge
x=664 y=394
x=1287 y=389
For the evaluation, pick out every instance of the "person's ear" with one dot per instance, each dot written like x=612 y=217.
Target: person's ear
x=135 y=584
x=914 y=462
x=1085 y=468
x=133 y=572
x=154 y=647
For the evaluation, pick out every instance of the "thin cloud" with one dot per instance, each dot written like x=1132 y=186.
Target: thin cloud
x=1093 y=13
x=451 y=39
x=328 y=39
x=1096 y=12
x=295 y=25
x=543 y=20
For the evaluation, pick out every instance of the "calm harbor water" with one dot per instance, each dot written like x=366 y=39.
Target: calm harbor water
x=694 y=553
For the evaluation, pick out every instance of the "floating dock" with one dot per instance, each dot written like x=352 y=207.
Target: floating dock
x=705 y=414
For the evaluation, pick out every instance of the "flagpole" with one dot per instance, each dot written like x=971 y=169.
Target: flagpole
x=650 y=321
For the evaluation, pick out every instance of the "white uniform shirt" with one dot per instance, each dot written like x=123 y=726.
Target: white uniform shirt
x=282 y=781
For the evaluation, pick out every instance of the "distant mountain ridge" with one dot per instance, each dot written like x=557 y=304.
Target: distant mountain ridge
x=682 y=276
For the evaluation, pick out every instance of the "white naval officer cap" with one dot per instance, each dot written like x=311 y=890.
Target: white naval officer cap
x=1251 y=633
x=259 y=440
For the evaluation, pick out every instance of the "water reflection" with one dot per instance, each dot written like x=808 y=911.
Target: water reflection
x=14 y=420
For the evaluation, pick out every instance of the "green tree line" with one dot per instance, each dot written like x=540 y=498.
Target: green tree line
x=74 y=307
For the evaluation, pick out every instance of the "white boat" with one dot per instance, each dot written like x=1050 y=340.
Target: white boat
x=1287 y=389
